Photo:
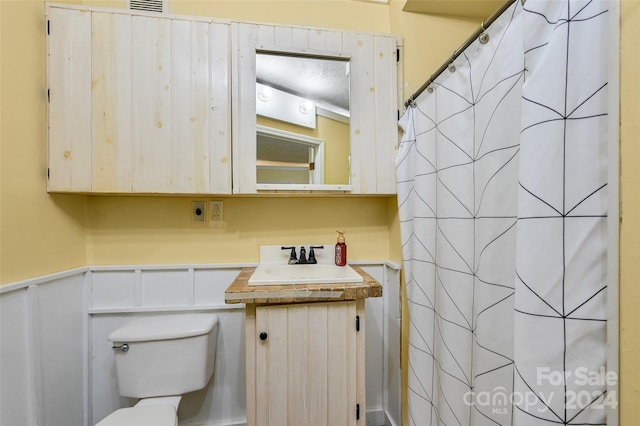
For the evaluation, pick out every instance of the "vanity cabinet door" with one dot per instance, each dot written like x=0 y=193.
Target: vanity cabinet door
x=137 y=103
x=308 y=366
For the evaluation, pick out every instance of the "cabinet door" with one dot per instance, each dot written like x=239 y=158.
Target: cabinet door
x=69 y=78
x=373 y=100
x=305 y=369
x=143 y=101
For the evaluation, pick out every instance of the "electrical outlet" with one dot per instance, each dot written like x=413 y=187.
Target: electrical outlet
x=198 y=212
x=216 y=209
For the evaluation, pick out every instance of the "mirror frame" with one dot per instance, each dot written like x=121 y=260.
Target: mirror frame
x=244 y=129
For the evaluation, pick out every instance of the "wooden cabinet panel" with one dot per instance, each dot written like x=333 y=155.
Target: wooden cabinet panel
x=111 y=139
x=220 y=109
x=190 y=106
x=306 y=370
x=69 y=65
x=144 y=101
x=151 y=119
x=386 y=91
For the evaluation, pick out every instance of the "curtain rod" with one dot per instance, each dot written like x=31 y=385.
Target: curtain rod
x=480 y=32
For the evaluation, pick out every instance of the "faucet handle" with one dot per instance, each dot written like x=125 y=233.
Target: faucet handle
x=312 y=254
x=293 y=258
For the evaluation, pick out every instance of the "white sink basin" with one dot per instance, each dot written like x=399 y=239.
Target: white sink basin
x=277 y=274
x=274 y=269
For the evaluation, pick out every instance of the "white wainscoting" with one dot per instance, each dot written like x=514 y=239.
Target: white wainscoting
x=43 y=351
x=58 y=366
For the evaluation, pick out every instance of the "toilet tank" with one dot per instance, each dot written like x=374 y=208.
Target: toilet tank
x=167 y=354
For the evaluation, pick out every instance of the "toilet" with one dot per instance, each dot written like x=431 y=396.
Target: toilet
x=158 y=359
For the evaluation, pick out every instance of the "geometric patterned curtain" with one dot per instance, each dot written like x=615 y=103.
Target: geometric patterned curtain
x=502 y=204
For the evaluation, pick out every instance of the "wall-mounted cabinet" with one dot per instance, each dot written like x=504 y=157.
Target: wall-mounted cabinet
x=148 y=103
x=137 y=103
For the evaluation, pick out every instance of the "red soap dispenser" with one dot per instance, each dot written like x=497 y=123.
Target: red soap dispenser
x=341 y=250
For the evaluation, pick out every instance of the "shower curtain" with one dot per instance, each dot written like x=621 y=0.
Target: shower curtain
x=502 y=197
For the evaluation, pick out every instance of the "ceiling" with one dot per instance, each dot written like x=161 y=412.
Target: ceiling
x=322 y=80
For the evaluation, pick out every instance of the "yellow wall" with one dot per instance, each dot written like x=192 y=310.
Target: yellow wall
x=39 y=234
x=630 y=212
x=428 y=41
x=158 y=230
x=339 y=14
x=336 y=151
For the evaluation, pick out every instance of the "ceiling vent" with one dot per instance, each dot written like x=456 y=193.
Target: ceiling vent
x=149 y=5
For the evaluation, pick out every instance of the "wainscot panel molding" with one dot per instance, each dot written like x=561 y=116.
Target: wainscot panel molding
x=77 y=309
x=43 y=350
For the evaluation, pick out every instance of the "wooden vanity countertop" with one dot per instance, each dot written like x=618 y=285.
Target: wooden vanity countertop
x=241 y=292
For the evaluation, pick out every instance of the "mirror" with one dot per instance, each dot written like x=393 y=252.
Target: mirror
x=302 y=117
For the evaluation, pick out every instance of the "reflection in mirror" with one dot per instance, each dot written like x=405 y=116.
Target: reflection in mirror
x=305 y=101
x=289 y=158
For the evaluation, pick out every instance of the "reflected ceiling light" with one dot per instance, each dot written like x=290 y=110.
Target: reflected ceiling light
x=305 y=106
x=264 y=93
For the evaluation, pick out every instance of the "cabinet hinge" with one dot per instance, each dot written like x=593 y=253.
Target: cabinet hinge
x=357 y=411
x=48 y=173
x=49 y=95
x=48 y=27
x=357 y=322
x=397 y=55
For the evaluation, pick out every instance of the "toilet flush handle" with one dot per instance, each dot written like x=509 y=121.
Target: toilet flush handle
x=124 y=347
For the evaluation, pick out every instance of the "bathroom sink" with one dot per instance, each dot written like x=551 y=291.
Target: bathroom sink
x=278 y=274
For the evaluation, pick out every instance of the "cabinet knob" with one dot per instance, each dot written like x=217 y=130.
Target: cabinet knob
x=263 y=336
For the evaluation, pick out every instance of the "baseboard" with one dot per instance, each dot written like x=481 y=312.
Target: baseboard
x=241 y=422
x=374 y=418
x=388 y=420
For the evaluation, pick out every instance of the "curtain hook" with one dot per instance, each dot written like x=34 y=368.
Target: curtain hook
x=484 y=37
x=452 y=67
x=430 y=85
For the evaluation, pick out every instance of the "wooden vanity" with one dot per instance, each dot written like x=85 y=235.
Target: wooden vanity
x=305 y=349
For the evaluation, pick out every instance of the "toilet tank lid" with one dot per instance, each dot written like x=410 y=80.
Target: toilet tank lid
x=163 y=327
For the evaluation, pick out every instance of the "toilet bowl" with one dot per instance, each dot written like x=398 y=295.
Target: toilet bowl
x=145 y=415
x=159 y=358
